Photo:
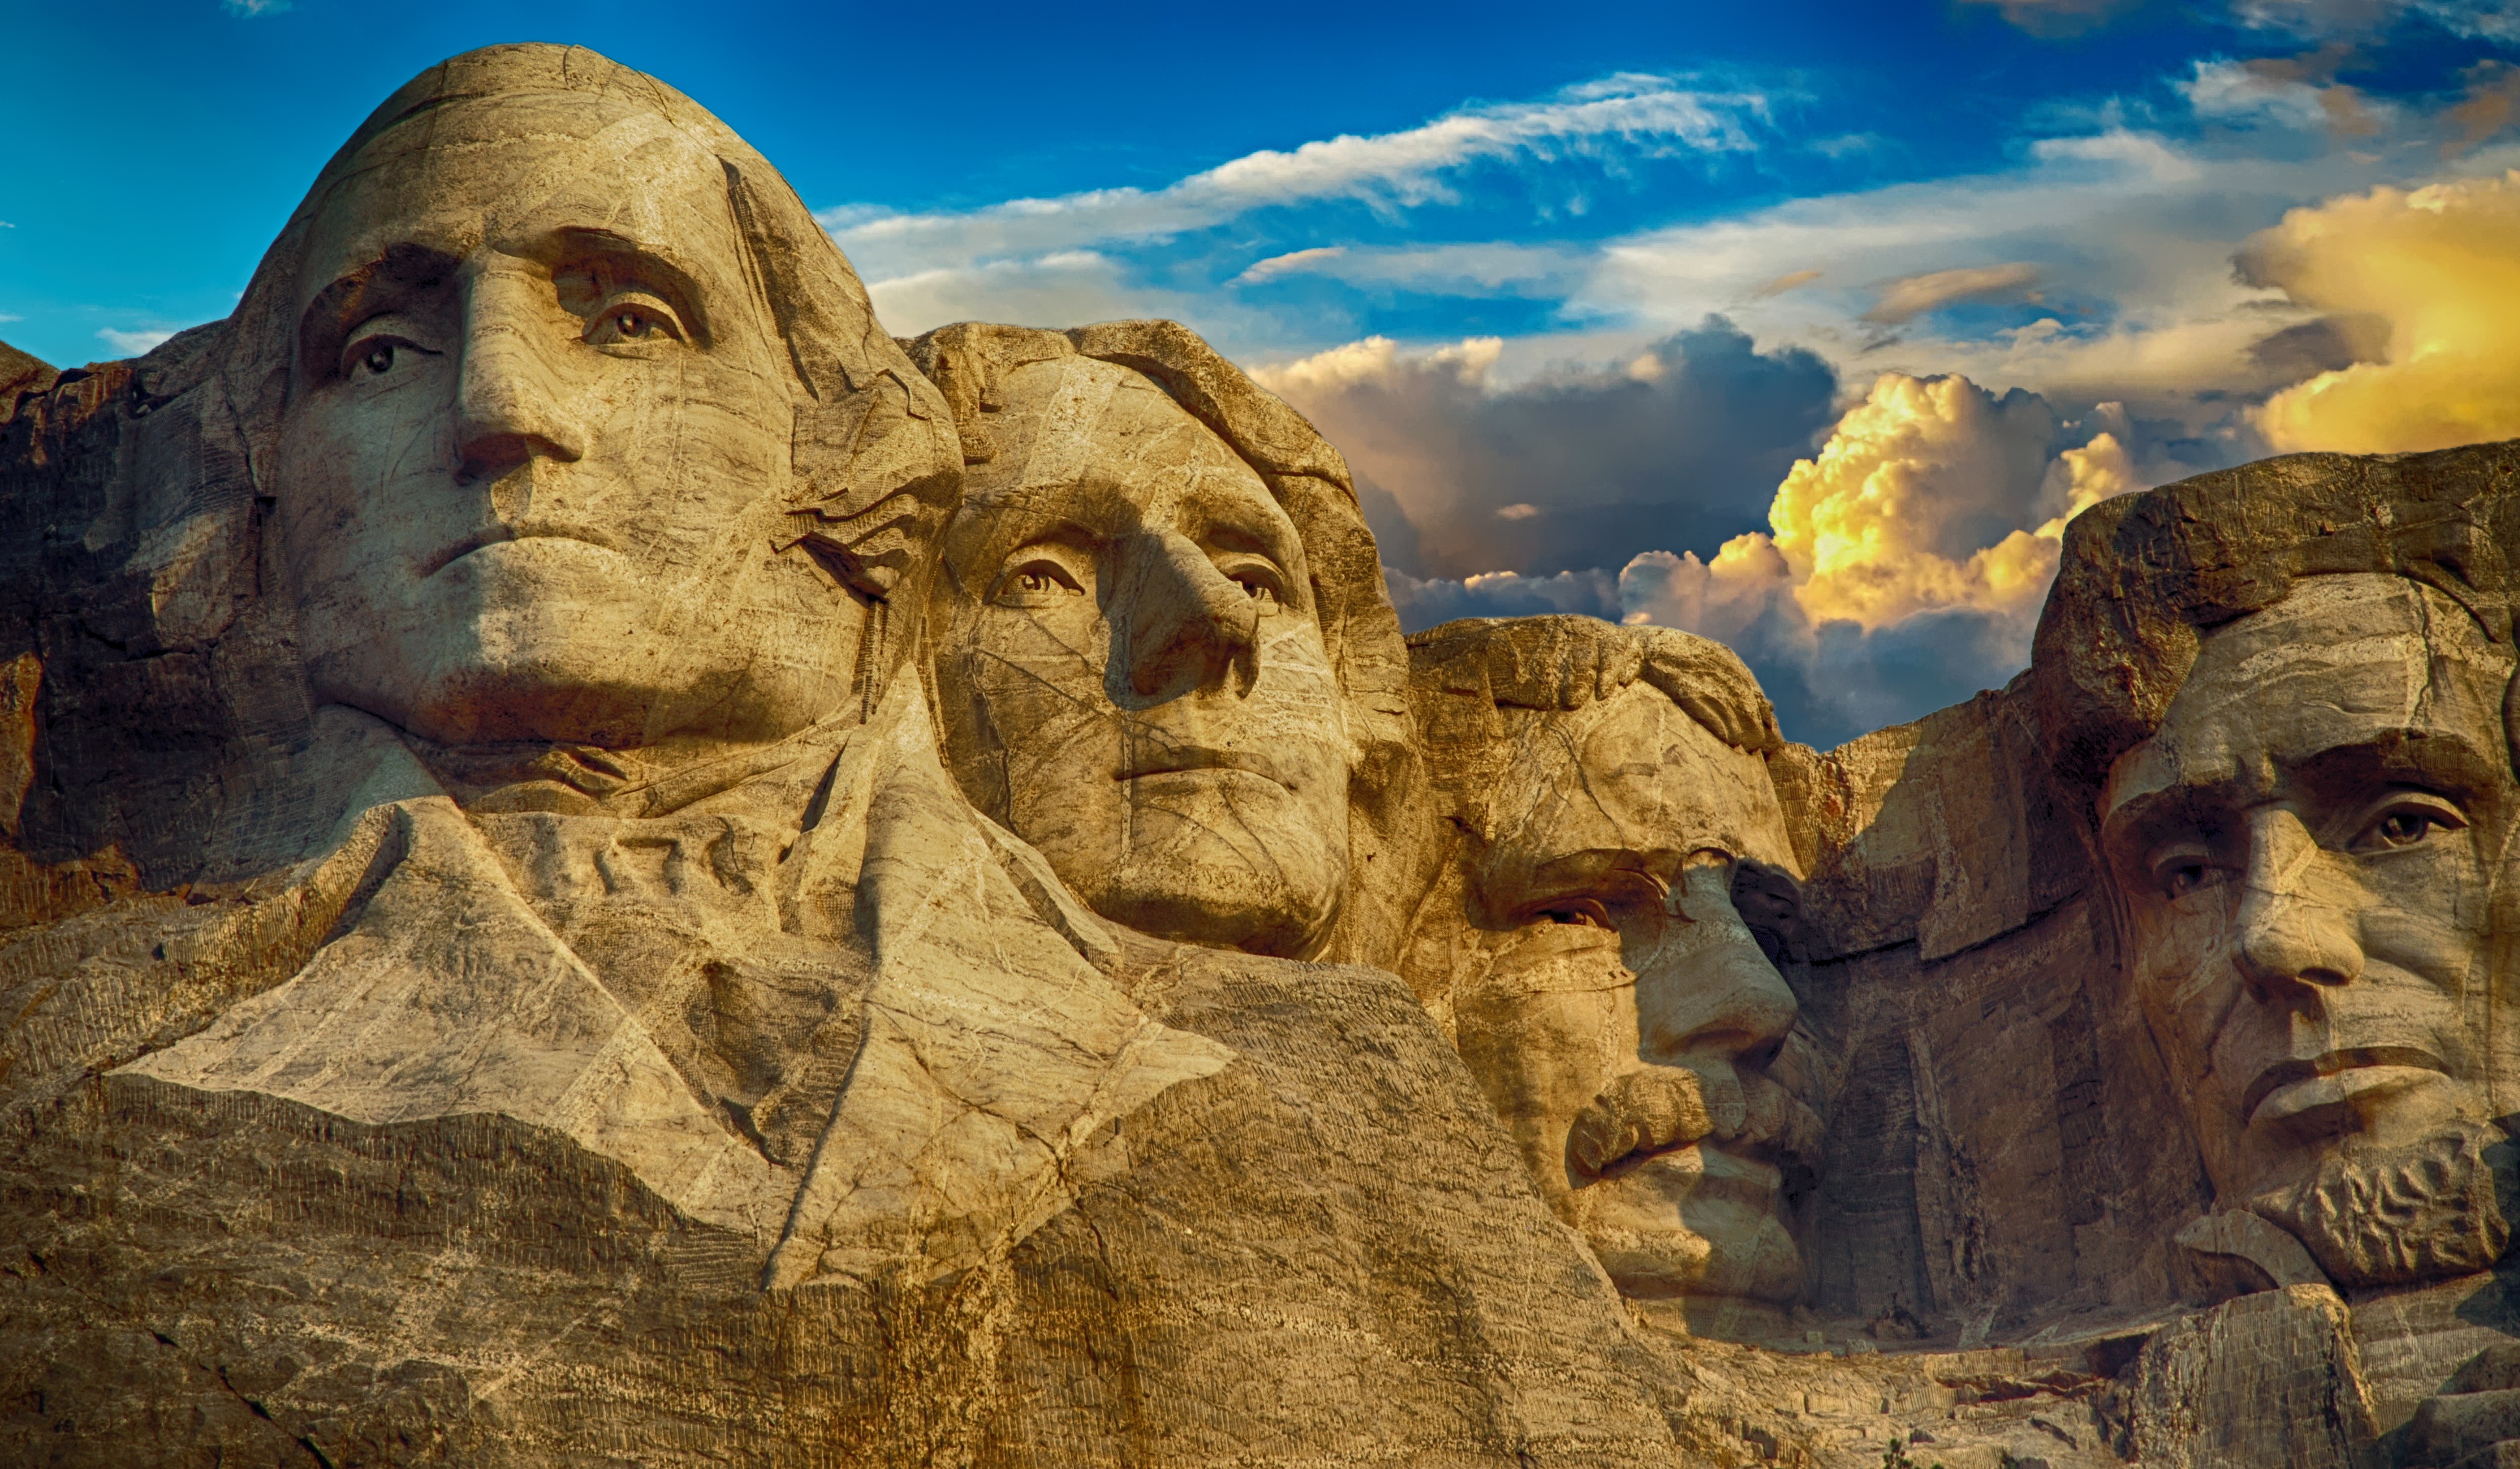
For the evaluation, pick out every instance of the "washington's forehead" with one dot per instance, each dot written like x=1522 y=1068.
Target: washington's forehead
x=479 y=171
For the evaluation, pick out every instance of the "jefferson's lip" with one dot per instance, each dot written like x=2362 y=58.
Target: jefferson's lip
x=2290 y=1087
x=1169 y=760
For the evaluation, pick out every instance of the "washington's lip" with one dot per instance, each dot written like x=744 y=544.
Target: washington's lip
x=494 y=535
x=1176 y=759
x=2285 y=1075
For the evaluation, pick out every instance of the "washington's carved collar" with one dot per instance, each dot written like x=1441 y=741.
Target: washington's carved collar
x=778 y=779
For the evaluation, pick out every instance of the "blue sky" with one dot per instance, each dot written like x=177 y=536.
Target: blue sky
x=1575 y=287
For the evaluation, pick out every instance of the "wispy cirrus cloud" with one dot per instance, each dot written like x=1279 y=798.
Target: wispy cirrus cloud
x=1630 y=116
x=1910 y=297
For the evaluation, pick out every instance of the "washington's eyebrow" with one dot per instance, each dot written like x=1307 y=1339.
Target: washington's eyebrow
x=586 y=245
x=361 y=292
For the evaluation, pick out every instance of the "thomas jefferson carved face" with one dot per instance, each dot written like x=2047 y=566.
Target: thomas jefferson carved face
x=1131 y=666
x=1621 y=1014
x=2308 y=854
x=536 y=449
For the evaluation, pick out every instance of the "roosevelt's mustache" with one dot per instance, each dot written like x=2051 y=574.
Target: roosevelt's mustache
x=1658 y=1108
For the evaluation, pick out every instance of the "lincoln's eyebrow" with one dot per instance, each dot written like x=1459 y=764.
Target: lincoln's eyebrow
x=2440 y=759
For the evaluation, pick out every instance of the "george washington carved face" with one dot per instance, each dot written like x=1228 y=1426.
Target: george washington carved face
x=536 y=450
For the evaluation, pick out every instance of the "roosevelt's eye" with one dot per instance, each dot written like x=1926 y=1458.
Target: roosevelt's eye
x=1036 y=584
x=633 y=316
x=1259 y=581
x=2406 y=826
x=1574 y=912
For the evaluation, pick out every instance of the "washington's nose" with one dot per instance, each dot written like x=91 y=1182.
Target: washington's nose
x=2289 y=931
x=1182 y=625
x=508 y=401
x=1711 y=993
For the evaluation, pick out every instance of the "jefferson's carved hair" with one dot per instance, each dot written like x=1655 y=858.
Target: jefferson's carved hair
x=2145 y=576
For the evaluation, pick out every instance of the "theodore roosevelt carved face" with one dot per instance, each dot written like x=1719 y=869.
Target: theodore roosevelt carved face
x=1622 y=1013
x=1132 y=665
x=536 y=451
x=2310 y=854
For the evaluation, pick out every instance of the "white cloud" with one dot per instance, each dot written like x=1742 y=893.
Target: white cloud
x=7 y=316
x=1293 y=262
x=251 y=7
x=2492 y=20
x=1624 y=116
x=132 y=343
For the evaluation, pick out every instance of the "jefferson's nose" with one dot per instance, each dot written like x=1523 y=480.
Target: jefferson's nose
x=1709 y=994
x=2290 y=928
x=1179 y=624
x=508 y=401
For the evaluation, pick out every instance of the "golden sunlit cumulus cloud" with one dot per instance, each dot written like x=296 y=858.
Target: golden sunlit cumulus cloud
x=1876 y=527
x=2440 y=266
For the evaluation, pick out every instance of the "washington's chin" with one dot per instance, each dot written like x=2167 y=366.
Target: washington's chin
x=1253 y=914
x=456 y=688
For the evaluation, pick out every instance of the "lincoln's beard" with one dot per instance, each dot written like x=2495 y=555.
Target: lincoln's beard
x=2395 y=1215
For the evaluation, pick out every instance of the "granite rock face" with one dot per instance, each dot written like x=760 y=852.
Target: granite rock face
x=606 y=864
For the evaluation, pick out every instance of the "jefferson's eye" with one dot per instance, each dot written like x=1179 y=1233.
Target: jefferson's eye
x=2181 y=878
x=1036 y=584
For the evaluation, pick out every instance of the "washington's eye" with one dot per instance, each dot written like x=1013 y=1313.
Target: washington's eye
x=633 y=316
x=374 y=353
x=1573 y=913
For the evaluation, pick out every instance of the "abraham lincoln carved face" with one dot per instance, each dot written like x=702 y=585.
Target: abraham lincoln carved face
x=2308 y=854
x=536 y=452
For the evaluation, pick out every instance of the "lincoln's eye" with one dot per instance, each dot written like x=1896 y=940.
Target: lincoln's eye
x=2182 y=879
x=379 y=359
x=2404 y=828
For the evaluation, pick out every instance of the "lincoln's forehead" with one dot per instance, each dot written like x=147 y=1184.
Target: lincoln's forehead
x=2345 y=662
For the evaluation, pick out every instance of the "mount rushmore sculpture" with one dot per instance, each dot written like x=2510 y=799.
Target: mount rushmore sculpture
x=606 y=864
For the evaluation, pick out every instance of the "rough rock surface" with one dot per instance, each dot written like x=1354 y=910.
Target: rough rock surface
x=606 y=864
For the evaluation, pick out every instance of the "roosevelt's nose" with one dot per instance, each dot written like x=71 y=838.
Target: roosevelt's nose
x=1179 y=624
x=1708 y=995
x=511 y=406
x=2292 y=928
